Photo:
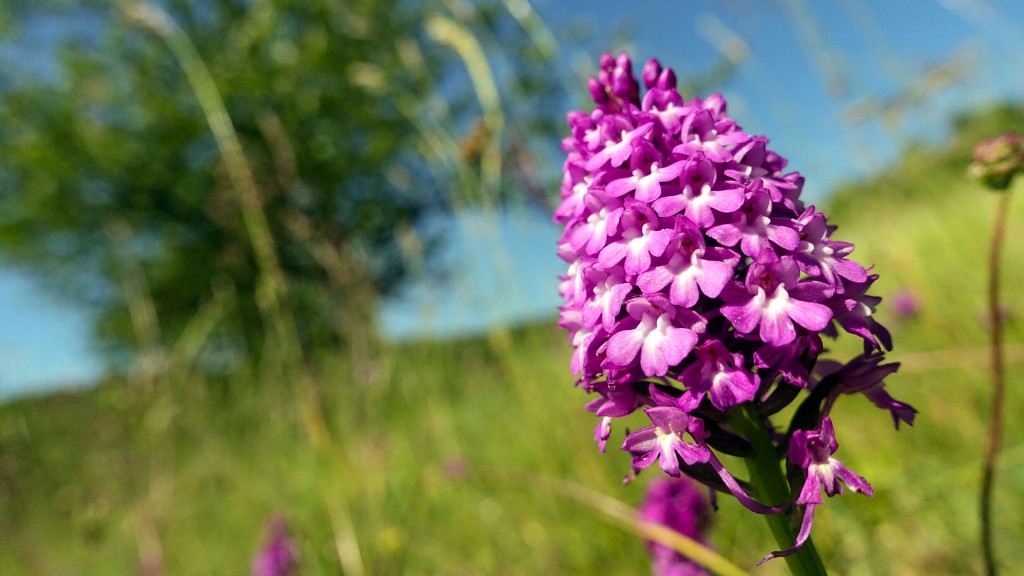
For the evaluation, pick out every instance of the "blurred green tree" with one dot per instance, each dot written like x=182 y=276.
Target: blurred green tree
x=356 y=118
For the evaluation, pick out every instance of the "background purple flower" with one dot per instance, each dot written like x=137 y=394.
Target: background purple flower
x=905 y=303
x=678 y=504
x=277 y=556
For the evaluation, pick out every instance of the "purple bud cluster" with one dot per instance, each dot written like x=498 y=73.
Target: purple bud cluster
x=699 y=281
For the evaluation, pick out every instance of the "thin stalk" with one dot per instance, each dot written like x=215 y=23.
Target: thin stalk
x=772 y=489
x=272 y=291
x=627 y=517
x=465 y=44
x=998 y=383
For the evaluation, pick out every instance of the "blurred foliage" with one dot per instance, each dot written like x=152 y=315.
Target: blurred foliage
x=112 y=184
x=926 y=171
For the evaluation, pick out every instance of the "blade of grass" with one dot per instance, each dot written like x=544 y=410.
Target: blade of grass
x=626 y=516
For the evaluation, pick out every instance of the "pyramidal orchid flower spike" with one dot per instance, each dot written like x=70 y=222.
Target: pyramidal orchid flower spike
x=698 y=290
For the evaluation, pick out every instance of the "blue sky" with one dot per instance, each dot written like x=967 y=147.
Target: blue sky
x=804 y=69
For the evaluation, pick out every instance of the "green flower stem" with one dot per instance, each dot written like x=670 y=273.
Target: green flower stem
x=770 y=488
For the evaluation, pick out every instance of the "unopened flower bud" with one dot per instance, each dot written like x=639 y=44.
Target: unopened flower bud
x=997 y=160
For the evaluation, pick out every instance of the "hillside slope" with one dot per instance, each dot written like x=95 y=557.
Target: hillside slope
x=437 y=443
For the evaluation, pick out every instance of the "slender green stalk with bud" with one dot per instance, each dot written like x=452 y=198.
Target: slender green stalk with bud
x=996 y=162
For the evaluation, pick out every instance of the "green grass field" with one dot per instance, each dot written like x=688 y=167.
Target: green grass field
x=438 y=448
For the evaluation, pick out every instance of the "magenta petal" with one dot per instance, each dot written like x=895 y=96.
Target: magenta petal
x=620 y=187
x=622 y=347
x=754 y=245
x=783 y=236
x=597 y=239
x=602 y=432
x=648 y=189
x=744 y=317
x=700 y=213
x=659 y=240
x=714 y=277
x=726 y=234
x=638 y=259
x=669 y=205
x=652 y=361
x=727 y=200
x=732 y=388
x=812 y=291
x=692 y=453
x=809 y=314
x=850 y=270
x=668 y=462
x=776 y=328
x=684 y=291
x=612 y=254
x=810 y=492
x=662 y=350
x=654 y=280
x=642 y=440
x=614 y=305
x=671 y=172
x=854 y=481
x=644 y=460
x=678 y=345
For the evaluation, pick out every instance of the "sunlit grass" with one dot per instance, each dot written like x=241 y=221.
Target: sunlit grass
x=440 y=445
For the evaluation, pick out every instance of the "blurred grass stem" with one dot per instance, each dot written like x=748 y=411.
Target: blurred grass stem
x=461 y=40
x=998 y=381
x=272 y=290
x=628 y=517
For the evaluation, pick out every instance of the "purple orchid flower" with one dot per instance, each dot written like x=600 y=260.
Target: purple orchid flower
x=700 y=283
x=661 y=336
x=865 y=374
x=774 y=298
x=591 y=235
x=812 y=451
x=576 y=184
x=582 y=337
x=720 y=373
x=820 y=256
x=664 y=440
x=277 y=557
x=854 y=310
x=677 y=504
x=639 y=239
x=691 y=269
x=648 y=171
x=615 y=402
x=609 y=292
x=704 y=135
x=754 y=229
x=700 y=196
x=618 y=151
